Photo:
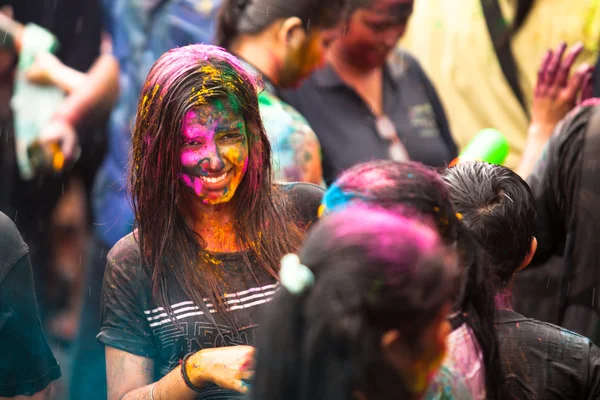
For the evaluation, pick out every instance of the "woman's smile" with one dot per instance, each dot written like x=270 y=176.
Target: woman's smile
x=214 y=152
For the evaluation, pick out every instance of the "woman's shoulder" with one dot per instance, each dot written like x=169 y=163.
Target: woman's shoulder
x=306 y=197
x=125 y=253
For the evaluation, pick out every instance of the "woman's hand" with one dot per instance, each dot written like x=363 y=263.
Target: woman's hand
x=226 y=367
x=556 y=94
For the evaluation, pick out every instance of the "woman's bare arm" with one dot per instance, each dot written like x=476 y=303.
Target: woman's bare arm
x=130 y=377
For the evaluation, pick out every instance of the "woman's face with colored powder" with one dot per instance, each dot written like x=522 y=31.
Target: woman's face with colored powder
x=373 y=32
x=214 y=151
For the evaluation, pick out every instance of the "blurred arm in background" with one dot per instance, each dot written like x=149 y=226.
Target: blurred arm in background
x=554 y=96
x=91 y=96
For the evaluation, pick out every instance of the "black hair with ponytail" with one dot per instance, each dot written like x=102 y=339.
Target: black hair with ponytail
x=249 y=17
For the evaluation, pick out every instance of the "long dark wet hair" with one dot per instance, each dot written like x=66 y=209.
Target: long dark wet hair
x=374 y=271
x=180 y=80
x=426 y=197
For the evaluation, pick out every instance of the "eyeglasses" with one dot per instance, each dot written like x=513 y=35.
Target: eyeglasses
x=387 y=131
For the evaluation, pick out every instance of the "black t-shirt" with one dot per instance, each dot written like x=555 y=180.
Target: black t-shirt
x=346 y=126
x=26 y=363
x=132 y=321
x=545 y=361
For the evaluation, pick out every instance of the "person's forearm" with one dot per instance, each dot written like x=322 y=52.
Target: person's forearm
x=171 y=386
x=536 y=141
x=68 y=79
x=94 y=97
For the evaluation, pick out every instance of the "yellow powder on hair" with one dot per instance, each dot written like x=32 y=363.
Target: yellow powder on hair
x=211 y=74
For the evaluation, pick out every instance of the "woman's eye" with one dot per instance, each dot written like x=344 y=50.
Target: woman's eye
x=231 y=136
x=192 y=143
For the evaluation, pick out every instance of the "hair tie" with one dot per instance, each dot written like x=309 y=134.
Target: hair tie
x=294 y=276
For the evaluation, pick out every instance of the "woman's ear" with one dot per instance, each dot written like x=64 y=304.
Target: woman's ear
x=529 y=255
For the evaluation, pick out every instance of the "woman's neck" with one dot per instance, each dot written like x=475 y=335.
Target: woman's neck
x=366 y=82
x=347 y=69
x=255 y=50
x=215 y=224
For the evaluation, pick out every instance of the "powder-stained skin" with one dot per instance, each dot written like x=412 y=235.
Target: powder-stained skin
x=214 y=151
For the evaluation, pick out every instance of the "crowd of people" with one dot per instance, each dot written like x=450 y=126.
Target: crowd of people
x=264 y=199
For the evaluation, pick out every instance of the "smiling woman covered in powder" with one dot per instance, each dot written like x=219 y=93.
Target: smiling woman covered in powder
x=181 y=294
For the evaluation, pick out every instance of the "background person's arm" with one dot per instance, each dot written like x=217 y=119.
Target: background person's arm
x=91 y=99
x=554 y=96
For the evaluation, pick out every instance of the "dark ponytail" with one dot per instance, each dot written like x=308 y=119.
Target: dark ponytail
x=477 y=304
x=228 y=21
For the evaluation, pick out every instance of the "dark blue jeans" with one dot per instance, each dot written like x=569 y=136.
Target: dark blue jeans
x=88 y=379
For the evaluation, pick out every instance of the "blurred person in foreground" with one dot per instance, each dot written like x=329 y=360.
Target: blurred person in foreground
x=472 y=361
x=284 y=42
x=371 y=100
x=539 y=360
x=361 y=313
x=27 y=366
x=452 y=41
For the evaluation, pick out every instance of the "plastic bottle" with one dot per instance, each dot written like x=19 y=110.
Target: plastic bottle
x=34 y=105
x=489 y=145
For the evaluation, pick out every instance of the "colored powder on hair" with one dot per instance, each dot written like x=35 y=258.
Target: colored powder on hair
x=146 y=102
x=214 y=76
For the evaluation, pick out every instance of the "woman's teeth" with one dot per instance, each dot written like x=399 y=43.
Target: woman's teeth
x=216 y=179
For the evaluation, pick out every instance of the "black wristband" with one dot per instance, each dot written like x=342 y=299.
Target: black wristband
x=186 y=379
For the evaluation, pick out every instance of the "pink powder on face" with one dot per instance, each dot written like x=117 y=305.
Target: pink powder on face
x=195 y=183
x=193 y=131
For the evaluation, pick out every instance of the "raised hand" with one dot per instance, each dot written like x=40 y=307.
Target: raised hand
x=555 y=93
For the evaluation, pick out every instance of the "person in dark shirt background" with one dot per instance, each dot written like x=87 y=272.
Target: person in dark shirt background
x=539 y=360
x=371 y=100
x=27 y=366
x=565 y=186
